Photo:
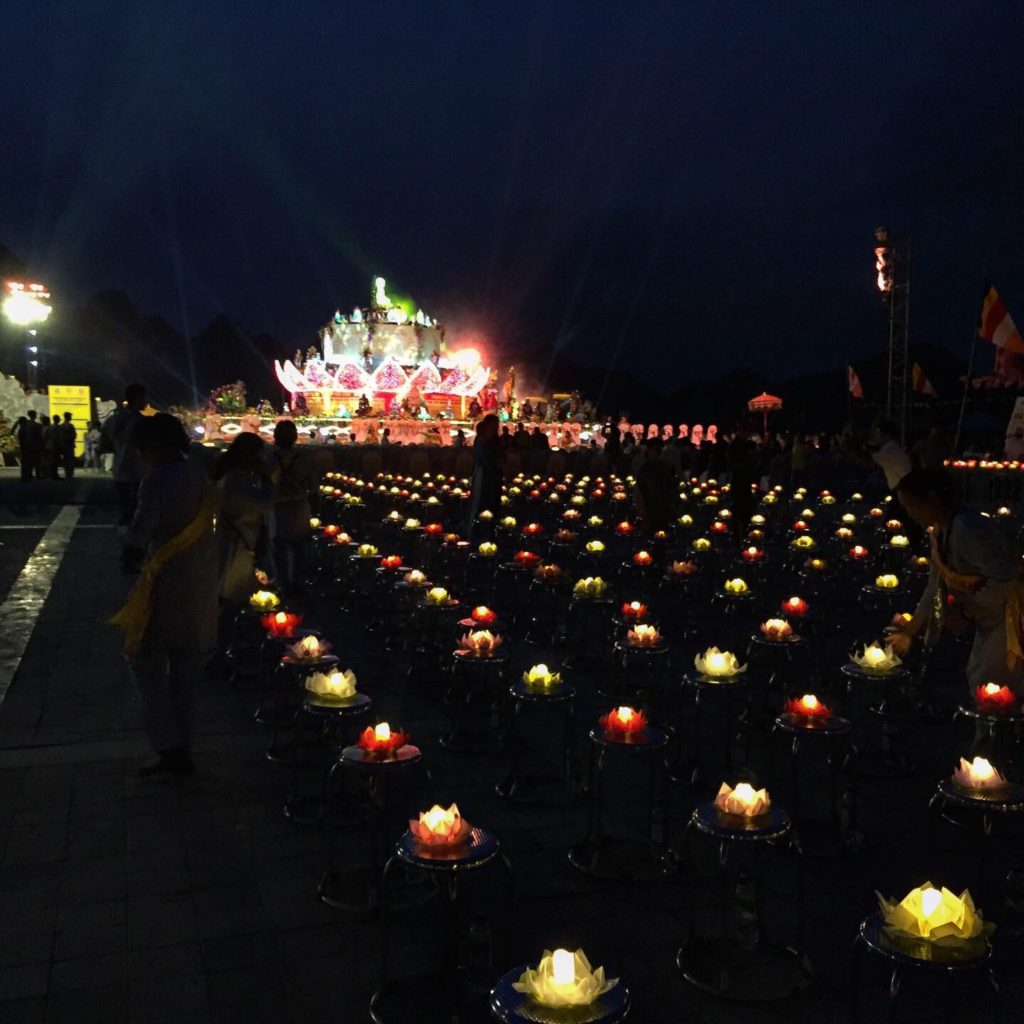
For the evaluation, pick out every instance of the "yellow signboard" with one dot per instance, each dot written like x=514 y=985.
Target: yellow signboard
x=77 y=400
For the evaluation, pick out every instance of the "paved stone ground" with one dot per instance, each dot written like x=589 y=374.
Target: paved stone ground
x=124 y=900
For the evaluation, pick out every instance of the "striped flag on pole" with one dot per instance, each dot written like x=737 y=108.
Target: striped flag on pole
x=922 y=385
x=996 y=324
x=853 y=383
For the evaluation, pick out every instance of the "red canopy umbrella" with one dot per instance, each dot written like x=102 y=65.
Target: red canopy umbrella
x=765 y=403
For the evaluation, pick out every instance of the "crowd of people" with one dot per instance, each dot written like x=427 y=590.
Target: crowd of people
x=46 y=446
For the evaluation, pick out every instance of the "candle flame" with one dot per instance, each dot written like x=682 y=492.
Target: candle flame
x=563 y=967
x=382 y=732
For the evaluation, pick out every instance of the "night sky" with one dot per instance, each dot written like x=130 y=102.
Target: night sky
x=685 y=187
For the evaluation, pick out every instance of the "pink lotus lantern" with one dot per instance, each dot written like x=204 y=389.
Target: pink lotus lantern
x=440 y=828
x=643 y=636
x=776 y=629
x=481 y=643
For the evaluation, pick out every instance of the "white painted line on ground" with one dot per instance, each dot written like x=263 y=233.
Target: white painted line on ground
x=25 y=600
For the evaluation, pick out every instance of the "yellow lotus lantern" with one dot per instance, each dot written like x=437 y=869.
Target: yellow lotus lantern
x=877 y=659
x=314 y=523
x=437 y=596
x=770 y=498
x=595 y=521
x=934 y=915
x=743 y=801
x=367 y=551
x=899 y=540
x=757 y=519
x=264 y=601
x=486 y=515
x=977 y=774
x=736 y=586
x=335 y=685
x=848 y=519
x=716 y=664
x=805 y=542
x=411 y=524
x=509 y=522
x=887 y=581
x=595 y=547
x=685 y=520
x=487 y=549
x=701 y=544
x=540 y=677
x=589 y=588
x=564 y=979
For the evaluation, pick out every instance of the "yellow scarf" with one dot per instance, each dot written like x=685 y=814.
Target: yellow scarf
x=134 y=616
x=971 y=584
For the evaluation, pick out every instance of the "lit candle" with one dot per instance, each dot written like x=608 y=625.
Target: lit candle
x=391 y=562
x=887 y=581
x=437 y=596
x=736 y=586
x=481 y=643
x=335 y=685
x=526 y=559
x=876 y=658
x=381 y=739
x=264 y=600
x=858 y=551
x=483 y=616
x=281 y=624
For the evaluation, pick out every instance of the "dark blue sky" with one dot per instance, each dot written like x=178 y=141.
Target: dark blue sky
x=691 y=186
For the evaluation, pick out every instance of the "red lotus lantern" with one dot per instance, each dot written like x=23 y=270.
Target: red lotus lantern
x=483 y=616
x=634 y=611
x=795 y=606
x=719 y=526
x=994 y=699
x=800 y=525
x=331 y=530
x=858 y=551
x=808 y=708
x=532 y=530
x=752 y=554
x=433 y=530
x=391 y=562
x=281 y=624
x=526 y=559
x=624 y=529
x=381 y=740
x=643 y=559
x=624 y=724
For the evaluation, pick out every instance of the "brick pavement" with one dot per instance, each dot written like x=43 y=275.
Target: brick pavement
x=142 y=901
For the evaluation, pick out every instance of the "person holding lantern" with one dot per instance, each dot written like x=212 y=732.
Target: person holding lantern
x=975 y=583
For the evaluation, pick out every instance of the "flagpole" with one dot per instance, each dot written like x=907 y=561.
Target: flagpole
x=970 y=371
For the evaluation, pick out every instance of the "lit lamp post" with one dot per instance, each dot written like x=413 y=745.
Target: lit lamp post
x=25 y=305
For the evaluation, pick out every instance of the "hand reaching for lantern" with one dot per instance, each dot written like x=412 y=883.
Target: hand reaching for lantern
x=901 y=642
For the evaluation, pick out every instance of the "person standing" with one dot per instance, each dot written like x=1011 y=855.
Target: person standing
x=291 y=477
x=67 y=435
x=30 y=443
x=170 y=617
x=485 y=493
x=117 y=434
x=92 y=447
x=243 y=478
x=48 y=460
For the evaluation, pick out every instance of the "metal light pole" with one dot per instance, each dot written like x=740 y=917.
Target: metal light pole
x=892 y=263
x=25 y=305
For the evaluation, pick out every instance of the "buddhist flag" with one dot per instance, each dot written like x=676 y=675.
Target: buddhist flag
x=922 y=385
x=853 y=383
x=996 y=324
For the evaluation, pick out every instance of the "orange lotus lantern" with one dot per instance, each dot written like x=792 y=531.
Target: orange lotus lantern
x=634 y=611
x=624 y=723
x=342 y=539
x=281 y=624
x=381 y=740
x=795 y=605
x=643 y=559
x=483 y=616
x=624 y=529
x=331 y=530
x=526 y=559
x=808 y=707
x=440 y=827
x=685 y=568
x=549 y=573
x=433 y=530
x=994 y=699
x=565 y=537
x=391 y=562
